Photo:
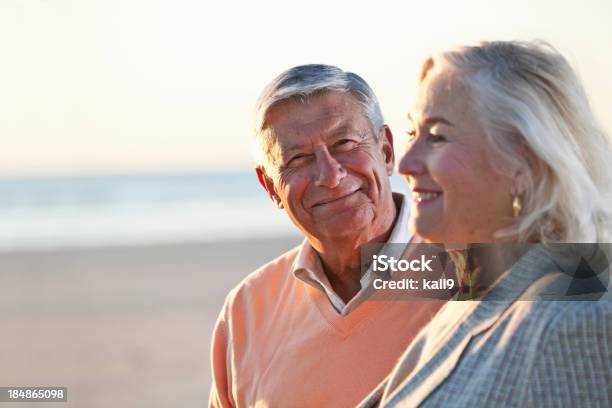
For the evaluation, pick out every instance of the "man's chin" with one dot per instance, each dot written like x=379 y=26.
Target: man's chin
x=345 y=223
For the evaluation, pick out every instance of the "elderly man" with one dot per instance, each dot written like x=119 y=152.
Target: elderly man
x=299 y=331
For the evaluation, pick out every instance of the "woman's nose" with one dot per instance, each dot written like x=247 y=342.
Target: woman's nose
x=412 y=161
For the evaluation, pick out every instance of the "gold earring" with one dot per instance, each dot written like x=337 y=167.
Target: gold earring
x=516 y=206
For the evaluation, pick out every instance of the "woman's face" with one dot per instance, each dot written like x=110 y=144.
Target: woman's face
x=457 y=196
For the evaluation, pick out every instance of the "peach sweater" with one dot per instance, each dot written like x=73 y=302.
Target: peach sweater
x=279 y=342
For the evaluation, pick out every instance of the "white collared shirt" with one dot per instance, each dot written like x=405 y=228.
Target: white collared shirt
x=307 y=266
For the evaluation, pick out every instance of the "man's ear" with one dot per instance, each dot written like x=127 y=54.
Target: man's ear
x=386 y=140
x=268 y=185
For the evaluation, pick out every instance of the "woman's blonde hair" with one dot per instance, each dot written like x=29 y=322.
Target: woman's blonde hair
x=536 y=115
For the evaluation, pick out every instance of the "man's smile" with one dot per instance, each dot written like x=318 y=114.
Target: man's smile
x=335 y=199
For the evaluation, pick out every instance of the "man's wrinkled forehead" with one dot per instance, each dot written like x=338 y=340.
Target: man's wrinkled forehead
x=293 y=125
x=327 y=124
x=320 y=105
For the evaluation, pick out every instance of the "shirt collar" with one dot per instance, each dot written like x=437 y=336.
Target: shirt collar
x=307 y=266
x=400 y=233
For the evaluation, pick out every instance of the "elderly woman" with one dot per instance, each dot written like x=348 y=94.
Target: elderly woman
x=503 y=148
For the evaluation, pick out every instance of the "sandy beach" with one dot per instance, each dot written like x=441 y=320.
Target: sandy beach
x=119 y=327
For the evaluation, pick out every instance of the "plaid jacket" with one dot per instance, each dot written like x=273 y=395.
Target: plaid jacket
x=514 y=348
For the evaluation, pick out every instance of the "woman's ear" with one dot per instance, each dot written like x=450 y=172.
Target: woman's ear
x=531 y=167
x=268 y=184
x=520 y=181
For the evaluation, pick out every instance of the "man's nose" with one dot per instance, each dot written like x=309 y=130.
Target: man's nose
x=329 y=171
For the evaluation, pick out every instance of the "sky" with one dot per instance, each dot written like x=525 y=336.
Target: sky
x=169 y=85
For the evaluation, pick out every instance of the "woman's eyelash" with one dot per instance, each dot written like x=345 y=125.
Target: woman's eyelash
x=437 y=137
x=434 y=137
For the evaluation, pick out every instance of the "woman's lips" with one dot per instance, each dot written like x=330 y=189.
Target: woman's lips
x=423 y=197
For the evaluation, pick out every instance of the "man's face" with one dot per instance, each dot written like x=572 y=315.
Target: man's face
x=327 y=168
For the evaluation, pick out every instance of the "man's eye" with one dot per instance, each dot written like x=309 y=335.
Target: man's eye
x=345 y=144
x=411 y=135
x=297 y=159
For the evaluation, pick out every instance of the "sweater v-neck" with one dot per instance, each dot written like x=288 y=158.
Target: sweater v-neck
x=359 y=316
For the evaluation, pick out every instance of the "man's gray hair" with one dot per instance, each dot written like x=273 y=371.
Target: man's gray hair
x=304 y=81
x=536 y=115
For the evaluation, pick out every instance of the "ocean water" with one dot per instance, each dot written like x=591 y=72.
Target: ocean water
x=138 y=209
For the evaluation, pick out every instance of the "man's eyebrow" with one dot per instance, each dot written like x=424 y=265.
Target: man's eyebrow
x=432 y=120
x=289 y=149
x=335 y=132
x=344 y=131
